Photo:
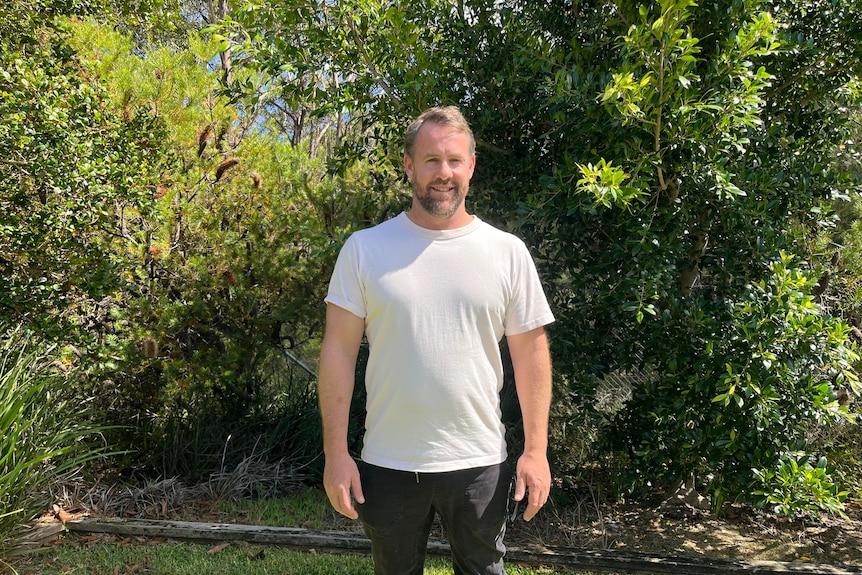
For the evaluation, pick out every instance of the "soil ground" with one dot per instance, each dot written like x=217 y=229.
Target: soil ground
x=674 y=530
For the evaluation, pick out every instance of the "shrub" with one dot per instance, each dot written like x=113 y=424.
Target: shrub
x=758 y=385
x=798 y=488
x=43 y=429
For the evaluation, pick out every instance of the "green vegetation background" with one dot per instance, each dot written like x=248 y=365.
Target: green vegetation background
x=176 y=181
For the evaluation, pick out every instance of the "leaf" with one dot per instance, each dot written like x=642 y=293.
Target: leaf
x=260 y=555
x=218 y=548
x=65 y=516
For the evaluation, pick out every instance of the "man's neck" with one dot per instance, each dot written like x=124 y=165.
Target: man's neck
x=425 y=220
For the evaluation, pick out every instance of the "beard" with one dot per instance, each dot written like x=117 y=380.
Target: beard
x=439 y=207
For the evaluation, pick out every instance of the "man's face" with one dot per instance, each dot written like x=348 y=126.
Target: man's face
x=440 y=170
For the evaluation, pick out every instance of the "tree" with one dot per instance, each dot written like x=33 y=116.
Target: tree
x=68 y=166
x=226 y=270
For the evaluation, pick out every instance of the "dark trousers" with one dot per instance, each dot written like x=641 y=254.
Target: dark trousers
x=400 y=507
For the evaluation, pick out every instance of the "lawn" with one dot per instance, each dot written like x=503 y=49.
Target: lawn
x=83 y=554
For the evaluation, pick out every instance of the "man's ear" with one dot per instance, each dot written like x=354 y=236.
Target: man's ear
x=408 y=166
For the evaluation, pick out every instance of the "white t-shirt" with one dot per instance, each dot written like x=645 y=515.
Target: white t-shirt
x=436 y=305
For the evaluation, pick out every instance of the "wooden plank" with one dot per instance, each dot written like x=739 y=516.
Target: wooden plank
x=594 y=560
x=289 y=536
x=39 y=534
x=617 y=562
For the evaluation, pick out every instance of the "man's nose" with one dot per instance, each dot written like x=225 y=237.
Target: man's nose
x=446 y=170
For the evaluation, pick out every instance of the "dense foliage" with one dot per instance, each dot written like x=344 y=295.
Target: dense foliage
x=222 y=313
x=661 y=159
x=68 y=165
x=174 y=191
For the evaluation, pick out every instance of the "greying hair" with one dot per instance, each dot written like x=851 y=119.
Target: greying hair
x=449 y=116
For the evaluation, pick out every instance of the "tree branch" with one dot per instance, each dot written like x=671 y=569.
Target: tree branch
x=369 y=63
x=15 y=163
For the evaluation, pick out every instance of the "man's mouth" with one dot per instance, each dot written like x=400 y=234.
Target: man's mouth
x=442 y=189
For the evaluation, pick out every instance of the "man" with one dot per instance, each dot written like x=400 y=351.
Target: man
x=434 y=290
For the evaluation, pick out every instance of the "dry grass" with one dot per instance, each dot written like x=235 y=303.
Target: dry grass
x=163 y=498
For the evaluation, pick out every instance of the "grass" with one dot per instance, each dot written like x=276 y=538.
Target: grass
x=43 y=428
x=77 y=556
x=308 y=508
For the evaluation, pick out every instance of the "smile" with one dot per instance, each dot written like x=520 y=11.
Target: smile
x=442 y=188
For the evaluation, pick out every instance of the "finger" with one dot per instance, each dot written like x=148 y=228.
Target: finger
x=520 y=487
x=537 y=497
x=535 y=501
x=356 y=487
x=530 y=512
x=532 y=508
x=345 y=505
x=342 y=505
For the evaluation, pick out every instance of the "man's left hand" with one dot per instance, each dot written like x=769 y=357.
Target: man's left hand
x=533 y=479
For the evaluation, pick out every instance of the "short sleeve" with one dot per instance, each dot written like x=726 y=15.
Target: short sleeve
x=528 y=308
x=346 y=288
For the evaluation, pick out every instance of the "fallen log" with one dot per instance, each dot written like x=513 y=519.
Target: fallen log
x=37 y=534
x=594 y=560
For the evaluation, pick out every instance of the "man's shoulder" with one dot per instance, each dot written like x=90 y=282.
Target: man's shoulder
x=501 y=235
x=381 y=230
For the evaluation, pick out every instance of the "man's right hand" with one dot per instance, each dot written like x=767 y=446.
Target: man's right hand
x=341 y=480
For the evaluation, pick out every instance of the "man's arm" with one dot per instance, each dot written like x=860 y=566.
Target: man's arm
x=531 y=360
x=341 y=340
